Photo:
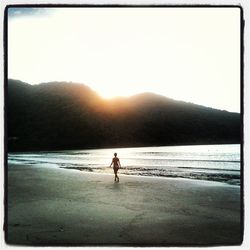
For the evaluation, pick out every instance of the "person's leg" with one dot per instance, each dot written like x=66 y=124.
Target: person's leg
x=115 y=173
x=116 y=176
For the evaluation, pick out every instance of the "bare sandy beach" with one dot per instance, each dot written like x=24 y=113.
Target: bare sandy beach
x=50 y=206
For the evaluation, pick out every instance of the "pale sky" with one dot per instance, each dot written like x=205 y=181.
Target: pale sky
x=189 y=54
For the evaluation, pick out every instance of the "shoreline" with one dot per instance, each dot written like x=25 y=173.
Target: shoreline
x=48 y=206
x=123 y=174
x=156 y=176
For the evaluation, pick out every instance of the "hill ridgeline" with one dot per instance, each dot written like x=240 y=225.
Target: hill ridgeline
x=61 y=115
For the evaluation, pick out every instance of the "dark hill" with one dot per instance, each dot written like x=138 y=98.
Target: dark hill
x=61 y=115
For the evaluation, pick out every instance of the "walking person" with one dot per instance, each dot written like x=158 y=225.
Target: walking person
x=116 y=166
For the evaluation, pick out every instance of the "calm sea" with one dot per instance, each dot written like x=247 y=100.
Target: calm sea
x=205 y=162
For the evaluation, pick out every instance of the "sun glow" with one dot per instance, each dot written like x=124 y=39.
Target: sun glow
x=190 y=54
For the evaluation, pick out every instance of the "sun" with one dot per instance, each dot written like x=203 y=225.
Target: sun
x=110 y=91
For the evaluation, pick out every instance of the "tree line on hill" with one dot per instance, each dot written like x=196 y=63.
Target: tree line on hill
x=62 y=115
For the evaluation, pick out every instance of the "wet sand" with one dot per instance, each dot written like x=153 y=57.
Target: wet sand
x=50 y=206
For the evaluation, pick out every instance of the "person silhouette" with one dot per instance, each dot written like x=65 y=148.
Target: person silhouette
x=116 y=166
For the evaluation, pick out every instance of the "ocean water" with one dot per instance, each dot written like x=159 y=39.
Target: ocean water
x=204 y=162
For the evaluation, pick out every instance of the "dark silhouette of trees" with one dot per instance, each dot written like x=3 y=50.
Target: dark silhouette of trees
x=60 y=115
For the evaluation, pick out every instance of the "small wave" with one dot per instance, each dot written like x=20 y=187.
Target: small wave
x=199 y=160
x=80 y=168
x=225 y=178
x=211 y=169
x=232 y=179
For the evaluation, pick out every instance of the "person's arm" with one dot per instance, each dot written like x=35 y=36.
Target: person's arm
x=119 y=164
x=111 y=163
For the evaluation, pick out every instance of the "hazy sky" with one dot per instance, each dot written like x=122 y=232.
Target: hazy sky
x=190 y=54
